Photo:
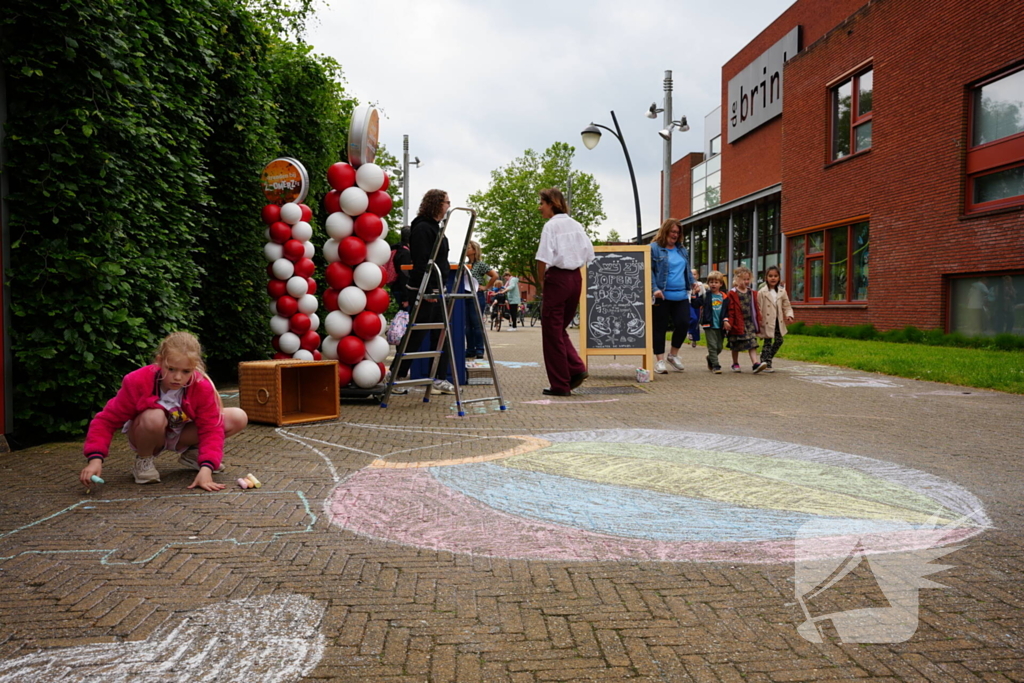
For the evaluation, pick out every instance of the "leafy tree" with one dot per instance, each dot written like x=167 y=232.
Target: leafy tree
x=507 y=215
x=613 y=236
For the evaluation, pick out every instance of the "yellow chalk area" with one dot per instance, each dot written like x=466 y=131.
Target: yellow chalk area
x=642 y=469
x=529 y=444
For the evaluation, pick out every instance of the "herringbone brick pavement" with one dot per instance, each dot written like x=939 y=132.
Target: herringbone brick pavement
x=157 y=583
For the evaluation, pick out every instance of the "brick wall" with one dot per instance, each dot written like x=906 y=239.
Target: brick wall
x=755 y=160
x=681 y=194
x=925 y=54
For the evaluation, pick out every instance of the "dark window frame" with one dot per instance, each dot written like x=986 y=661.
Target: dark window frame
x=822 y=256
x=991 y=157
x=857 y=118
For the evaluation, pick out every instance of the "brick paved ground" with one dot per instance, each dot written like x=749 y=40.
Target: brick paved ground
x=159 y=583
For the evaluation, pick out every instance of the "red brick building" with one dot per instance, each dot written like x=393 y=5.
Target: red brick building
x=881 y=138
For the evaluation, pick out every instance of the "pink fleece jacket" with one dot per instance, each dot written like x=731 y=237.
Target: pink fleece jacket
x=140 y=390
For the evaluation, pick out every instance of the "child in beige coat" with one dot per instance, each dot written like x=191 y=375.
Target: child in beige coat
x=775 y=313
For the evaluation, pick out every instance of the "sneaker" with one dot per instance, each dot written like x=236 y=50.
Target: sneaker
x=693 y=343
x=736 y=367
x=660 y=368
x=717 y=370
x=189 y=459
x=710 y=366
x=769 y=368
x=145 y=472
x=758 y=367
x=675 y=362
x=443 y=386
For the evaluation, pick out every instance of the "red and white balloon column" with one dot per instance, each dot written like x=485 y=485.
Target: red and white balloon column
x=356 y=253
x=291 y=287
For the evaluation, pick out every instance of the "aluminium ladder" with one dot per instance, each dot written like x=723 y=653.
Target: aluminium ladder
x=444 y=343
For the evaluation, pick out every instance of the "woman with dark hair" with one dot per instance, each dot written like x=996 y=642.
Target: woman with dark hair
x=672 y=282
x=422 y=235
x=564 y=249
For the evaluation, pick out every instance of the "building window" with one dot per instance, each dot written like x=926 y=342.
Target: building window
x=987 y=305
x=830 y=265
x=742 y=246
x=706 y=178
x=851 y=115
x=720 y=244
x=995 y=157
x=768 y=241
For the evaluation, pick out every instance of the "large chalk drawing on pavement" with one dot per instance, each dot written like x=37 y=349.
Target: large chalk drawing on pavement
x=653 y=495
x=271 y=639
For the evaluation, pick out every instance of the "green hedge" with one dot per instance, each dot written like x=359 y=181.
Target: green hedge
x=911 y=335
x=135 y=136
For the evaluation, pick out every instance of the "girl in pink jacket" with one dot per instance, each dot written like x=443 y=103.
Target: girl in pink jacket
x=169 y=405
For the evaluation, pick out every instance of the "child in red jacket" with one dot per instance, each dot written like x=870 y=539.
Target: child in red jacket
x=169 y=405
x=742 y=324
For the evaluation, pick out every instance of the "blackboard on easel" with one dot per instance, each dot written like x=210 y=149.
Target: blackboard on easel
x=615 y=307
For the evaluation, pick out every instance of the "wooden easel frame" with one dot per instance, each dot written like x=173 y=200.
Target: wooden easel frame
x=647 y=352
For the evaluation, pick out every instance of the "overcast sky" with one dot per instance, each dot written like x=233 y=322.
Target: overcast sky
x=475 y=83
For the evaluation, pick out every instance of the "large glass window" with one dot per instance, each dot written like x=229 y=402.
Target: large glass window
x=830 y=266
x=768 y=239
x=720 y=243
x=700 y=249
x=742 y=246
x=995 y=158
x=852 y=102
x=986 y=305
x=706 y=180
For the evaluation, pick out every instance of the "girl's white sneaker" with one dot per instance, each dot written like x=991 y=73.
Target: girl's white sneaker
x=675 y=362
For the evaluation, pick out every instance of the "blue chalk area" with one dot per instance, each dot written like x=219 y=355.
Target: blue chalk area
x=635 y=513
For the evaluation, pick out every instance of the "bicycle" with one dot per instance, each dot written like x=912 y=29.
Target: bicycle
x=534 y=308
x=496 y=316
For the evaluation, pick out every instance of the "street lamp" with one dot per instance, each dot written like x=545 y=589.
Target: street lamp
x=666 y=135
x=591 y=136
x=405 y=179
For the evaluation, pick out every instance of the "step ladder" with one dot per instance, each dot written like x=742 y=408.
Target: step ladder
x=462 y=280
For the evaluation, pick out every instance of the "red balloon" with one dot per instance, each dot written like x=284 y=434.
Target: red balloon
x=280 y=232
x=307 y=212
x=271 y=213
x=341 y=176
x=276 y=342
x=282 y=356
x=311 y=286
x=270 y=270
x=368 y=226
x=277 y=288
x=344 y=374
x=317 y=355
x=366 y=325
x=287 y=306
x=387 y=182
x=331 y=299
x=377 y=300
x=299 y=323
x=332 y=202
x=310 y=340
x=383 y=370
x=339 y=276
x=352 y=250
x=351 y=349
x=305 y=267
x=379 y=203
x=294 y=250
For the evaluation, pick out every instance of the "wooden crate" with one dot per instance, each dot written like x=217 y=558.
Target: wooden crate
x=286 y=392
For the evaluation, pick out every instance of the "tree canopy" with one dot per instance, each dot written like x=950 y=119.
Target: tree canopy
x=507 y=216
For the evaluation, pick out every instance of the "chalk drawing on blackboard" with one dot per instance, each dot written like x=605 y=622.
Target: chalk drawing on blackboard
x=615 y=301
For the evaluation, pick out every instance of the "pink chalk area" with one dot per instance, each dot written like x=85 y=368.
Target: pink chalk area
x=410 y=507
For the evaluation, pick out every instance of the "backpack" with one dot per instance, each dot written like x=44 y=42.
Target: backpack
x=390 y=272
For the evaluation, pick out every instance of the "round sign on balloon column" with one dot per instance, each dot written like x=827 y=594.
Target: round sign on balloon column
x=284 y=180
x=363 y=131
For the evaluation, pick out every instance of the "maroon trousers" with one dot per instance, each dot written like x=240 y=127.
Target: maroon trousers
x=561 y=297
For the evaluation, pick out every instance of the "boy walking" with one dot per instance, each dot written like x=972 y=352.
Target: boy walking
x=713 y=317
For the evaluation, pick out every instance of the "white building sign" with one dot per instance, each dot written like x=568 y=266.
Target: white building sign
x=755 y=94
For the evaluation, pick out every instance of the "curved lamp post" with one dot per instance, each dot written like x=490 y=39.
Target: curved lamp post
x=591 y=136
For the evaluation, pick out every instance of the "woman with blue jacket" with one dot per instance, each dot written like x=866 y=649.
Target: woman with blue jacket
x=671 y=282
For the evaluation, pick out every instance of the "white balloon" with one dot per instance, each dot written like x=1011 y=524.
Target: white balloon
x=366 y=374
x=303 y=354
x=291 y=213
x=279 y=324
x=329 y=347
x=339 y=225
x=377 y=349
x=314 y=321
x=289 y=343
x=330 y=250
x=273 y=251
x=370 y=177
x=367 y=275
x=384 y=324
x=302 y=231
x=308 y=304
x=354 y=201
x=297 y=287
x=351 y=300
x=378 y=251
x=386 y=229
x=338 y=324
x=266 y=234
x=283 y=269
x=272 y=306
